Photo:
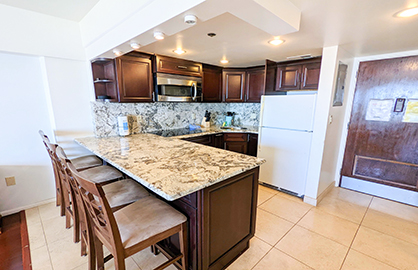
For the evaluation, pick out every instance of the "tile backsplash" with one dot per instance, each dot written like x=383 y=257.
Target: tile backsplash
x=145 y=117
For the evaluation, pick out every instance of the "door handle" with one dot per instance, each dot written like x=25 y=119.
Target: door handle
x=194 y=91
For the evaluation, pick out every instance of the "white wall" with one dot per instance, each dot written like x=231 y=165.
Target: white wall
x=23 y=111
x=111 y=23
x=324 y=161
x=69 y=90
x=331 y=163
x=29 y=32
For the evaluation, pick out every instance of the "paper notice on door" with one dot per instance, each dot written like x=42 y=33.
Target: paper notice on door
x=379 y=109
x=411 y=113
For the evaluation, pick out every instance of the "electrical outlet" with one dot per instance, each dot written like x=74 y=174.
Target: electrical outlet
x=253 y=116
x=193 y=116
x=10 y=181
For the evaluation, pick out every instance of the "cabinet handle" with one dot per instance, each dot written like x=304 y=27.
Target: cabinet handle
x=218 y=135
x=181 y=67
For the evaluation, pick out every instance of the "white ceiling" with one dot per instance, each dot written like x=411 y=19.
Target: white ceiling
x=73 y=10
x=362 y=27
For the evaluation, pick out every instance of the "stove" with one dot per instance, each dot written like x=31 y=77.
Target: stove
x=175 y=132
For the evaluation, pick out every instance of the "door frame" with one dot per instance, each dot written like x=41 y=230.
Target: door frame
x=350 y=98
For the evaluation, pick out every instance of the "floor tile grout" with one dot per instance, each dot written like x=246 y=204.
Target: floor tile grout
x=355 y=235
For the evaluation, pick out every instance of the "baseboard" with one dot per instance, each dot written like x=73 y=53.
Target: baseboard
x=388 y=192
x=26 y=207
x=313 y=201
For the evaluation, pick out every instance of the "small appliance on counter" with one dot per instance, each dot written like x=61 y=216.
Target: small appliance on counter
x=229 y=119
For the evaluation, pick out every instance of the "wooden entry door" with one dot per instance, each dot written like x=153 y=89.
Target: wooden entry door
x=381 y=147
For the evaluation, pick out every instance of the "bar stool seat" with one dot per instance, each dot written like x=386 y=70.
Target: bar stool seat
x=154 y=216
x=85 y=162
x=124 y=192
x=102 y=174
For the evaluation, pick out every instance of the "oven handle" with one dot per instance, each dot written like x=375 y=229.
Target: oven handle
x=194 y=91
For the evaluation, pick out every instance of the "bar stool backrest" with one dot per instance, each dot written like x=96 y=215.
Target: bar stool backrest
x=98 y=210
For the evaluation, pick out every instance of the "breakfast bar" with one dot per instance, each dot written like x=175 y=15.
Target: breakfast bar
x=216 y=189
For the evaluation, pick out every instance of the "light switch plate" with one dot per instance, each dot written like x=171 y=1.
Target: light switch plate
x=10 y=181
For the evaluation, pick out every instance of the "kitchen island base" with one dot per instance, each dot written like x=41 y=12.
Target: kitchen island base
x=221 y=221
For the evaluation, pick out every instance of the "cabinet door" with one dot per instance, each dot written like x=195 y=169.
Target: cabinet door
x=270 y=78
x=254 y=85
x=239 y=147
x=166 y=64
x=134 y=79
x=252 y=144
x=233 y=86
x=288 y=78
x=310 y=76
x=212 y=84
x=218 y=141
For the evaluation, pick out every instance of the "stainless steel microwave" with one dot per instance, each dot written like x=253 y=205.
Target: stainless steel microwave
x=178 y=88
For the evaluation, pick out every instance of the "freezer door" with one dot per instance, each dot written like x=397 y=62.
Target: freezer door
x=294 y=112
x=287 y=157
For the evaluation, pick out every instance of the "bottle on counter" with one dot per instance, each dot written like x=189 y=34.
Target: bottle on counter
x=123 y=126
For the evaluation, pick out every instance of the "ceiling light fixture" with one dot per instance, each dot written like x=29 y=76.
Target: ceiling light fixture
x=224 y=61
x=135 y=45
x=407 y=12
x=190 y=19
x=117 y=52
x=158 y=35
x=179 y=51
x=276 y=41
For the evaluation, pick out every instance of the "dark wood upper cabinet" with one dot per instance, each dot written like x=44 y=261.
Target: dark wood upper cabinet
x=233 y=85
x=171 y=65
x=254 y=84
x=135 y=81
x=297 y=75
x=288 y=78
x=310 y=76
x=104 y=78
x=270 y=78
x=212 y=83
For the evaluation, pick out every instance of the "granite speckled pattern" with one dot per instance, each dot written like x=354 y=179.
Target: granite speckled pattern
x=147 y=117
x=170 y=167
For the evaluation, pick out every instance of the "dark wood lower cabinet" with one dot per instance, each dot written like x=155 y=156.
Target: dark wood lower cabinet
x=239 y=147
x=237 y=142
x=221 y=221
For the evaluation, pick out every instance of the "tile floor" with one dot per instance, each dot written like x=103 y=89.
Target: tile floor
x=347 y=230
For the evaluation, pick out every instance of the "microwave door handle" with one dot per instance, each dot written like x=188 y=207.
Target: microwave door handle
x=194 y=92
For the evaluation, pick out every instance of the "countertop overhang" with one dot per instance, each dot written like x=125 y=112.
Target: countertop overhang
x=170 y=167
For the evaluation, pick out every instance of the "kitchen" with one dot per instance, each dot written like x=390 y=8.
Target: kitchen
x=63 y=60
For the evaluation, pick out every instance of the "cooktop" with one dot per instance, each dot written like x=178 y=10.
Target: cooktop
x=175 y=132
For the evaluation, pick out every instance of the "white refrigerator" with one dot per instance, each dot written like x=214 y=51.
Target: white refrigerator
x=285 y=141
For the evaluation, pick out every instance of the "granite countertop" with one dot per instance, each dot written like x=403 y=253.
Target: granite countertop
x=170 y=167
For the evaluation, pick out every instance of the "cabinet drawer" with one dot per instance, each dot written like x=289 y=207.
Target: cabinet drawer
x=178 y=66
x=235 y=137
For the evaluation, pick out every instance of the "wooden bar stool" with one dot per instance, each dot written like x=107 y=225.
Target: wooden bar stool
x=131 y=229
x=80 y=163
x=101 y=174
x=119 y=194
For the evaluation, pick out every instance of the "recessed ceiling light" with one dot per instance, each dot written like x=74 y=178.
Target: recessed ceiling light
x=179 y=51
x=135 y=45
x=158 y=35
x=224 y=61
x=117 y=52
x=407 y=12
x=276 y=42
